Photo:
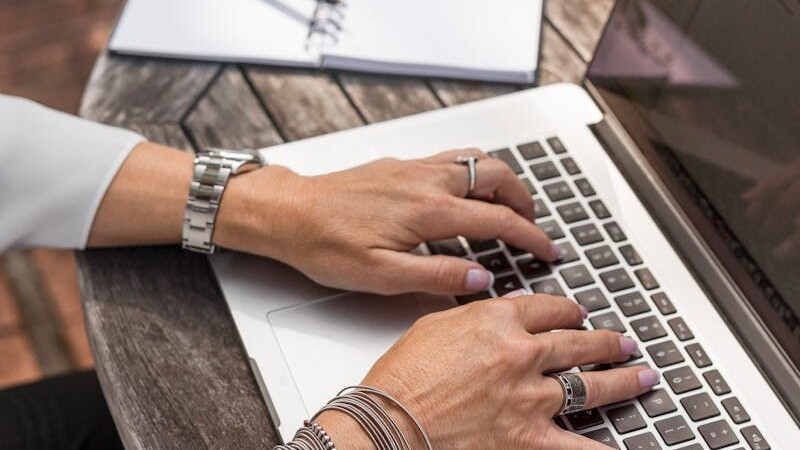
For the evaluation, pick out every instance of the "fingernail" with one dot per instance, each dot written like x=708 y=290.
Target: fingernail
x=555 y=252
x=517 y=293
x=627 y=345
x=649 y=378
x=784 y=250
x=584 y=311
x=478 y=280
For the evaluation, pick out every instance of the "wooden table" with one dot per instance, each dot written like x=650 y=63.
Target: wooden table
x=165 y=346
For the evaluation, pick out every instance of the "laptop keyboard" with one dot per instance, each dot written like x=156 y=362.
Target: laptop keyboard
x=693 y=407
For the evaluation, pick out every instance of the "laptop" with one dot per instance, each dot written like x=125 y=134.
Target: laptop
x=640 y=176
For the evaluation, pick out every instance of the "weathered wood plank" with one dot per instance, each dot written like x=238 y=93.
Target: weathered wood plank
x=303 y=103
x=580 y=21
x=166 y=133
x=130 y=89
x=230 y=116
x=455 y=92
x=168 y=355
x=380 y=98
x=559 y=62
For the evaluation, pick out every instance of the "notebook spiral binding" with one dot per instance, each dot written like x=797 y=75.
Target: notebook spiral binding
x=326 y=23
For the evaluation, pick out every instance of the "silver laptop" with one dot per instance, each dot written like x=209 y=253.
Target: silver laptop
x=639 y=176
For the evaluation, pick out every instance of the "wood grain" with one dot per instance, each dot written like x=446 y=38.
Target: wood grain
x=380 y=98
x=303 y=103
x=580 y=22
x=230 y=116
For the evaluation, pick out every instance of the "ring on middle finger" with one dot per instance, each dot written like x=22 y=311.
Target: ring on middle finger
x=470 y=162
x=574 y=391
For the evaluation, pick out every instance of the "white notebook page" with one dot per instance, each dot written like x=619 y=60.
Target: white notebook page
x=477 y=35
x=263 y=31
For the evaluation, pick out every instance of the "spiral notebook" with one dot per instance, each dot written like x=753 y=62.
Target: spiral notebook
x=483 y=40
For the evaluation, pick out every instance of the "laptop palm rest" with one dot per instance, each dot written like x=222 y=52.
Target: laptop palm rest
x=332 y=343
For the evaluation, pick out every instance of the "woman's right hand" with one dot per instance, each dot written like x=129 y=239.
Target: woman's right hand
x=475 y=375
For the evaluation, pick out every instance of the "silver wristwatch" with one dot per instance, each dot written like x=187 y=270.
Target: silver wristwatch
x=212 y=168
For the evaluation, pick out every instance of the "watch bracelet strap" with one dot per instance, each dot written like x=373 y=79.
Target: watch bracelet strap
x=211 y=174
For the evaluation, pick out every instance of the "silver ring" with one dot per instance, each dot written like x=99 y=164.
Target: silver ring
x=470 y=162
x=574 y=392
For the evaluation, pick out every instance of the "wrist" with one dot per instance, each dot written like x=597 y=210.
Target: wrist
x=344 y=431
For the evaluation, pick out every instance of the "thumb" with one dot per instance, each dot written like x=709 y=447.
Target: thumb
x=437 y=274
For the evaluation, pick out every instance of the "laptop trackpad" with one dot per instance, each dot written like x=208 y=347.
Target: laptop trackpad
x=332 y=343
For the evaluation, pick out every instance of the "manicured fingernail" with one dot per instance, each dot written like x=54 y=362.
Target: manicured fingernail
x=649 y=378
x=627 y=345
x=478 y=280
x=584 y=311
x=517 y=293
x=555 y=252
x=784 y=250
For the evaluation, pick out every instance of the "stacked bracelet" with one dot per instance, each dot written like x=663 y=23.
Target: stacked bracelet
x=358 y=403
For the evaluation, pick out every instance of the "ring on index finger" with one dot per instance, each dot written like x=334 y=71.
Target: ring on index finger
x=470 y=162
x=574 y=392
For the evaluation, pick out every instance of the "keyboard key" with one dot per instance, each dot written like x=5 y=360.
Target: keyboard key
x=572 y=212
x=547 y=286
x=682 y=380
x=514 y=251
x=568 y=253
x=680 y=329
x=586 y=234
x=718 y=434
x=584 y=419
x=570 y=166
x=450 y=247
x=648 y=328
x=693 y=447
x=674 y=430
x=464 y=299
x=631 y=304
x=657 y=403
x=646 y=278
x=754 y=438
x=644 y=441
x=541 y=209
x=560 y=423
x=626 y=419
x=663 y=303
x=615 y=232
x=479 y=246
x=592 y=300
x=665 y=354
x=698 y=355
x=576 y=276
x=631 y=255
x=507 y=157
x=599 y=209
x=551 y=229
x=528 y=185
x=545 y=170
x=616 y=280
x=495 y=262
x=699 y=406
x=735 y=409
x=556 y=145
x=716 y=382
x=506 y=284
x=558 y=191
x=585 y=187
x=531 y=150
x=603 y=436
x=601 y=257
x=533 y=268
x=607 y=321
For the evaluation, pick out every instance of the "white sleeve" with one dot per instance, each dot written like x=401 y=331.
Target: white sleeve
x=54 y=171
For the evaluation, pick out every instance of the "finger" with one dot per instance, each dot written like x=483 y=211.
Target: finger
x=480 y=220
x=542 y=312
x=407 y=272
x=494 y=179
x=559 y=439
x=450 y=156
x=602 y=387
x=571 y=348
